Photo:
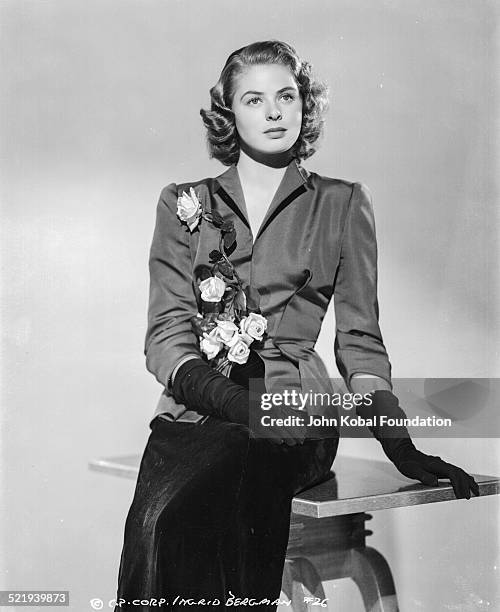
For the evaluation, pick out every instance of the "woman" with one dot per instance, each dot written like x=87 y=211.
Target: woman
x=210 y=516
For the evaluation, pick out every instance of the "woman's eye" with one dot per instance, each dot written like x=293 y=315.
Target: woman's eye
x=253 y=101
x=288 y=97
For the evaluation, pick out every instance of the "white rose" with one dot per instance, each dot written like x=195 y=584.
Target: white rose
x=212 y=289
x=210 y=345
x=226 y=331
x=246 y=338
x=239 y=351
x=254 y=325
x=189 y=208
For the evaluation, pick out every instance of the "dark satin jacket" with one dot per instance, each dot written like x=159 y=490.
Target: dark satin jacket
x=317 y=240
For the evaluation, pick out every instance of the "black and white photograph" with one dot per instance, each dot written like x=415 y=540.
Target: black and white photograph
x=250 y=305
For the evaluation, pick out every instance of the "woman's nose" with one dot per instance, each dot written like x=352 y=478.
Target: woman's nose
x=273 y=113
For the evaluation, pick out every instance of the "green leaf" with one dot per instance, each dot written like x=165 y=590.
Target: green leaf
x=212 y=319
x=202 y=325
x=227 y=226
x=202 y=272
x=229 y=239
x=217 y=218
x=208 y=308
x=215 y=255
x=226 y=269
x=240 y=301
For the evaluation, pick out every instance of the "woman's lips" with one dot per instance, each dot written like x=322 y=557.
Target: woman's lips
x=275 y=132
x=280 y=129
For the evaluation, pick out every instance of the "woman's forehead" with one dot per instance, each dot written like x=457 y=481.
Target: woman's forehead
x=268 y=76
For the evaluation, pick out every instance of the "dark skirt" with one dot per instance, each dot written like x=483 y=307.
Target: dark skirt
x=211 y=514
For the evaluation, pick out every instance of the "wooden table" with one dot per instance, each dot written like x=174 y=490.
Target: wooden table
x=327 y=532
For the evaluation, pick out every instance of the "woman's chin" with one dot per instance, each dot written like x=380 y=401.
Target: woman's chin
x=270 y=156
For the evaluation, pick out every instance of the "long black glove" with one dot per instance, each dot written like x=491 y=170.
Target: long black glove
x=199 y=387
x=399 y=448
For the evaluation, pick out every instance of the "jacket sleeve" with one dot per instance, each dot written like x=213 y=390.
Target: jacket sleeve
x=172 y=301
x=359 y=347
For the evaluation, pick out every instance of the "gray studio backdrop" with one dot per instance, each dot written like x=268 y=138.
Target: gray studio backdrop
x=99 y=111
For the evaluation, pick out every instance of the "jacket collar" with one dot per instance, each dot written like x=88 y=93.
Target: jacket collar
x=293 y=183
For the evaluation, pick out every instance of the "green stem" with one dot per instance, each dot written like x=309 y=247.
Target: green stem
x=221 y=250
x=222 y=365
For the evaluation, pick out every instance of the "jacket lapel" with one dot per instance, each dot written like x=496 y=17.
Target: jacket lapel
x=293 y=183
x=228 y=186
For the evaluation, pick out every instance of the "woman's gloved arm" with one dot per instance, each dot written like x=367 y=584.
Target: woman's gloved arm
x=199 y=387
x=399 y=448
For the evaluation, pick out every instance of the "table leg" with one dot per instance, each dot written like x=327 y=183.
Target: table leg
x=303 y=586
x=327 y=549
x=372 y=575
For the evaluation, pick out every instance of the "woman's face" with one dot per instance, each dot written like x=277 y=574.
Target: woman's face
x=267 y=107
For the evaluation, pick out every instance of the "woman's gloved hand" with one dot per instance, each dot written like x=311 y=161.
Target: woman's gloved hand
x=399 y=448
x=199 y=387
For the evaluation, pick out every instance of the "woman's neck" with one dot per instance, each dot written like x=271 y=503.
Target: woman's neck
x=260 y=171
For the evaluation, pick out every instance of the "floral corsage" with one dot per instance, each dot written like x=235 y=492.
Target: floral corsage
x=230 y=319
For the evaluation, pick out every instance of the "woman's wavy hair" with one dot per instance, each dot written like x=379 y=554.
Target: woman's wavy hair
x=222 y=137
